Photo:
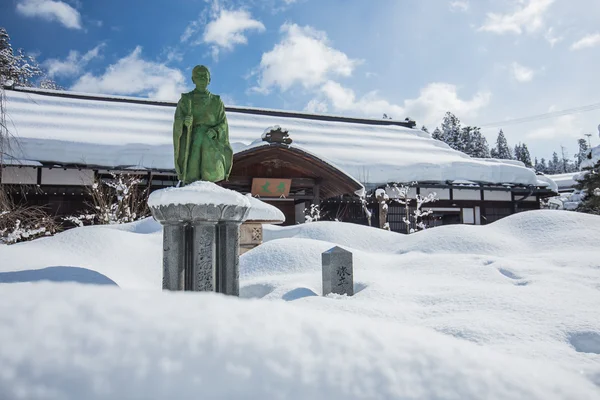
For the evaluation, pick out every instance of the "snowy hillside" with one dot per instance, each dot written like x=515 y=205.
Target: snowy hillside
x=503 y=311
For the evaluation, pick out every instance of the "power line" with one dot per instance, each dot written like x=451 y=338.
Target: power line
x=540 y=117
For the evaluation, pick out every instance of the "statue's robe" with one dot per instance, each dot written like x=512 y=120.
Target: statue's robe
x=197 y=156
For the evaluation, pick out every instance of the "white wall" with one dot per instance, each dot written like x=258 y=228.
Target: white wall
x=19 y=175
x=442 y=194
x=462 y=194
x=496 y=195
x=60 y=176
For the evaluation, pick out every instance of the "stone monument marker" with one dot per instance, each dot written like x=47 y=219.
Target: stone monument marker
x=338 y=272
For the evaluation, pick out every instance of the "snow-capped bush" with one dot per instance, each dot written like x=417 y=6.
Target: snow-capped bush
x=21 y=223
x=400 y=194
x=116 y=201
x=312 y=214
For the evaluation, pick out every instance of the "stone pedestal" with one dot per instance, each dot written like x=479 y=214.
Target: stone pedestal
x=201 y=246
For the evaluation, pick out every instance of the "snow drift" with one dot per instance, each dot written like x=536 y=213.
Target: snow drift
x=508 y=310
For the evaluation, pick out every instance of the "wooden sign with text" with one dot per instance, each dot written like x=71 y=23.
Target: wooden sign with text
x=271 y=187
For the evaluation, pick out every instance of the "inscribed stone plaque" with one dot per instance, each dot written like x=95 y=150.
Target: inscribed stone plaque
x=338 y=272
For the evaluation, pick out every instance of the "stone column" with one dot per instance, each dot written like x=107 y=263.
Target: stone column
x=201 y=245
x=173 y=256
x=203 y=248
x=228 y=264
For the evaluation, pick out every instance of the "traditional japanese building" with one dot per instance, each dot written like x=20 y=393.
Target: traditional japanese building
x=63 y=142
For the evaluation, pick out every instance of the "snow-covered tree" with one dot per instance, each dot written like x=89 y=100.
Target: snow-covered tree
x=583 y=152
x=501 y=151
x=400 y=194
x=437 y=134
x=452 y=132
x=424 y=129
x=589 y=184
x=541 y=166
x=522 y=154
x=475 y=144
x=18 y=68
x=554 y=165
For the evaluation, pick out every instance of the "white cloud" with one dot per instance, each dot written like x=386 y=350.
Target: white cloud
x=564 y=127
x=51 y=11
x=316 y=106
x=223 y=29
x=433 y=102
x=303 y=57
x=460 y=5
x=228 y=29
x=551 y=38
x=521 y=73
x=133 y=75
x=527 y=17
x=591 y=40
x=73 y=64
x=437 y=98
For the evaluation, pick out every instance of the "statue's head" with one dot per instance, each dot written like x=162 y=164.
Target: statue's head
x=201 y=76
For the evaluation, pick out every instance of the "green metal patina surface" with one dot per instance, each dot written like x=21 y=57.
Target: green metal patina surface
x=201 y=134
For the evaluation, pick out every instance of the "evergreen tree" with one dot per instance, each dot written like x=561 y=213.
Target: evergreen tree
x=502 y=151
x=437 y=134
x=452 y=133
x=522 y=154
x=475 y=144
x=583 y=152
x=17 y=68
x=541 y=166
x=554 y=165
x=424 y=129
x=590 y=185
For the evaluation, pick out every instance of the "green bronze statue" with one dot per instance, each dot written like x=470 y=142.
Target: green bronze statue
x=201 y=134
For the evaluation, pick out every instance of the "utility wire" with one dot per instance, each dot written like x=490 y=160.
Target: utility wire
x=540 y=117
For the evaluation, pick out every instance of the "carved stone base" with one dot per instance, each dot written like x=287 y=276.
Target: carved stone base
x=251 y=236
x=201 y=246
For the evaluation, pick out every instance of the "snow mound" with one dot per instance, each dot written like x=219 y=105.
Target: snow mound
x=128 y=254
x=104 y=343
x=527 y=232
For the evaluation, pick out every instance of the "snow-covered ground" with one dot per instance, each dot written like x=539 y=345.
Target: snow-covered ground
x=505 y=311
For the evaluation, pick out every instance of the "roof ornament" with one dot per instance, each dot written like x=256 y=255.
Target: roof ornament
x=277 y=134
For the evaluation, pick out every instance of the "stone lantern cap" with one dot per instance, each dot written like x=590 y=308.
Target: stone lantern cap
x=199 y=201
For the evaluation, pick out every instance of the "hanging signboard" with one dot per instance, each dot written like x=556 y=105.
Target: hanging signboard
x=271 y=187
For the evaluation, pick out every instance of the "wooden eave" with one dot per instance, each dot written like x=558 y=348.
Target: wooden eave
x=300 y=165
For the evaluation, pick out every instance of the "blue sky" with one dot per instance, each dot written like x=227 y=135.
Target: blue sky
x=487 y=61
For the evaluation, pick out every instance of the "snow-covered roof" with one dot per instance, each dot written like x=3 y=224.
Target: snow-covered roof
x=62 y=127
x=565 y=181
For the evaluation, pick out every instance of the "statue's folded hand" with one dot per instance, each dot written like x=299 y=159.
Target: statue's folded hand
x=187 y=121
x=212 y=134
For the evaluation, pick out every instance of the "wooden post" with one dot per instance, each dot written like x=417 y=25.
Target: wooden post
x=317 y=194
